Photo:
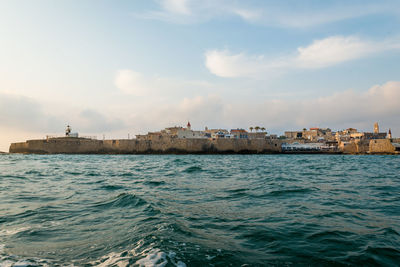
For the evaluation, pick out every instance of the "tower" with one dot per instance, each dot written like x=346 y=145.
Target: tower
x=390 y=134
x=188 y=126
x=376 y=128
x=68 y=130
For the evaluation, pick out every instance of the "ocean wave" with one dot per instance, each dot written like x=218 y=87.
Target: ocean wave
x=193 y=169
x=139 y=256
x=123 y=200
x=8 y=260
x=110 y=187
x=13 y=231
x=154 y=183
x=258 y=209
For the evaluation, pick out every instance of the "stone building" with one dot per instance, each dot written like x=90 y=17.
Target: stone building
x=313 y=134
x=216 y=133
x=239 y=134
x=257 y=135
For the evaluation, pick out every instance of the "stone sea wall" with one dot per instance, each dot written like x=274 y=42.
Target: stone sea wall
x=381 y=146
x=70 y=145
x=132 y=146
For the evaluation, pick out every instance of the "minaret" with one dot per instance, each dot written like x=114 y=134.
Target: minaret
x=376 y=128
x=390 y=134
x=188 y=126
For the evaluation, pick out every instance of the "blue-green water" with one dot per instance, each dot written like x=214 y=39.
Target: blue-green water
x=199 y=210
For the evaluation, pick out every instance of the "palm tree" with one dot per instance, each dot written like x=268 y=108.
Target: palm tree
x=257 y=128
x=251 y=128
x=263 y=129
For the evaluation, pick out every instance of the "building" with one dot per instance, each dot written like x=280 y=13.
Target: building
x=239 y=134
x=294 y=134
x=216 y=133
x=68 y=132
x=376 y=128
x=348 y=134
x=308 y=147
x=173 y=132
x=257 y=135
x=187 y=133
x=313 y=134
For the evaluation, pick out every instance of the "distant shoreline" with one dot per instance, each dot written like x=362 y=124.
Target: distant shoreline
x=174 y=146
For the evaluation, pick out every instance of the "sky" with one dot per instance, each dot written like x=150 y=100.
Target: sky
x=113 y=68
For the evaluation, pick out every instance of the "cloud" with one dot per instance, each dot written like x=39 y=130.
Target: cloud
x=135 y=83
x=338 y=111
x=176 y=6
x=90 y=120
x=247 y=14
x=337 y=49
x=320 y=54
x=20 y=112
x=225 y=64
x=264 y=13
x=132 y=82
x=305 y=17
x=24 y=118
x=200 y=110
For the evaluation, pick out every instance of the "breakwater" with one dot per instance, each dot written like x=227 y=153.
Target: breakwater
x=70 y=145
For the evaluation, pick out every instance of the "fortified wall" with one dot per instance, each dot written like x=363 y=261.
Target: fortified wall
x=381 y=146
x=375 y=146
x=71 y=145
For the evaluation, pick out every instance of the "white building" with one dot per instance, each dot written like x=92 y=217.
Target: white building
x=189 y=133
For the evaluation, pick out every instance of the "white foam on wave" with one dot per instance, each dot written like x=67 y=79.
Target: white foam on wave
x=8 y=232
x=113 y=259
x=8 y=260
x=155 y=258
x=149 y=257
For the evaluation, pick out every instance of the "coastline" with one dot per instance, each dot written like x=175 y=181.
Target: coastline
x=165 y=146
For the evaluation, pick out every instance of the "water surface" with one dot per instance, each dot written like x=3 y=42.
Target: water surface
x=199 y=210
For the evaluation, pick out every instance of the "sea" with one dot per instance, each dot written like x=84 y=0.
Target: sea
x=199 y=210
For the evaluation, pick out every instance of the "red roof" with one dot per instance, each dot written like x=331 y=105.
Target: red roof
x=188 y=125
x=238 y=131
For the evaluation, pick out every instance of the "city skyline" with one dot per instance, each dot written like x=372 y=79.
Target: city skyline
x=133 y=67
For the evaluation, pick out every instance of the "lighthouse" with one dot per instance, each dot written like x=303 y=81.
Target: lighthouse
x=68 y=131
x=188 y=126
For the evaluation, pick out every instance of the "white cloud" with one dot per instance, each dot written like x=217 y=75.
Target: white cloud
x=338 y=111
x=276 y=15
x=89 y=120
x=135 y=83
x=132 y=82
x=176 y=6
x=321 y=53
x=24 y=118
x=21 y=112
x=246 y=14
x=334 y=50
x=225 y=64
